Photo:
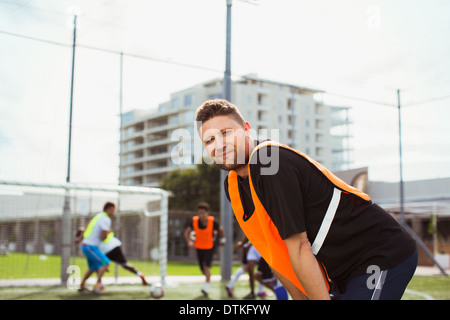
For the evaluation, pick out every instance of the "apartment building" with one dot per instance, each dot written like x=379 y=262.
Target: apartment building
x=154 y=142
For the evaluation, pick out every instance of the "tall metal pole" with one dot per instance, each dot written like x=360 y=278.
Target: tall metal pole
x=120 y=114
x=66 y=230
x=71 y=96
x=293 y=140
x=227 y=75
x=117 y=226
x=226 y=260
x=402 y=194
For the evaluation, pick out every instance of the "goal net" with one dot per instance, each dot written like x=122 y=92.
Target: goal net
x=38 y=224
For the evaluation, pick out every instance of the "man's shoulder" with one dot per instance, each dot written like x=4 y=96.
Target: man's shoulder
x=268 y=158
x=272 y=149
x=105 y=220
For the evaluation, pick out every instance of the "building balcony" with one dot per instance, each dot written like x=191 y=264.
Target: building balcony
x=145 y=172
x=145 y=145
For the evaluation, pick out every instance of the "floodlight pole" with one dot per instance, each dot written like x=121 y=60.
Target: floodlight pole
x=226 y=261
x=227 y=76
x=71 y=96
x=121 y=120
x=419 y=241
x=117 y=225
x=402 y=192
x=66 y=236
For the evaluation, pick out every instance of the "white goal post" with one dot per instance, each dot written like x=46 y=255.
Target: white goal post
x=30 y=213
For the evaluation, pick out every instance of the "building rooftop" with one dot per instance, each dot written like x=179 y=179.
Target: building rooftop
x=299 y=89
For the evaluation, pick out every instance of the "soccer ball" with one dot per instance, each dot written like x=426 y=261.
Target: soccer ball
x=192 y=235
x=156 y=291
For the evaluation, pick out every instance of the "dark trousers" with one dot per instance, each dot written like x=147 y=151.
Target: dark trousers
x=205 y=257
x=381 y=284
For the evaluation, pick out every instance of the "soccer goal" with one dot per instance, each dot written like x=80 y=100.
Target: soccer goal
x=38 y=224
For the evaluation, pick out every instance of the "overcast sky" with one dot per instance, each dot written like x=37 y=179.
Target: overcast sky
x=356 y=50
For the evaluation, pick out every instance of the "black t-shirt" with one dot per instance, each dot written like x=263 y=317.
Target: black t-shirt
x=296 y=198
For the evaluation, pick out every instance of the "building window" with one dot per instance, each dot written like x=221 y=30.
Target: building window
x=262 y=99
x=261 y=115
x=289 y=134
x=175 y=103
x=290 y=104
x=129 y=170
x=290 y=119
x=173 y=119
x=307 y=109
x=189 y=100
x=130 y=131
x=127 y=117
x=189 y=116
x=280 y=104
x=215 y=96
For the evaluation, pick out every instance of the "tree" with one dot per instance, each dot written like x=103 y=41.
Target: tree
x=193 y=185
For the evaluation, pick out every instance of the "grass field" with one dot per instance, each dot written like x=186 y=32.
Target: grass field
x=22 y=265
x=422 y=287
x=16 y=266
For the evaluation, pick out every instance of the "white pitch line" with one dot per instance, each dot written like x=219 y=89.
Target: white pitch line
x=418 y=293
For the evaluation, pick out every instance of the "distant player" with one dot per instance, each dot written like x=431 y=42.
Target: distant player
x=250 y=259
x=97 y=230
x=112 y=247
x=206 y=228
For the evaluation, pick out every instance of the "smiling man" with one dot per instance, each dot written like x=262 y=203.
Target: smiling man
x=310 y=226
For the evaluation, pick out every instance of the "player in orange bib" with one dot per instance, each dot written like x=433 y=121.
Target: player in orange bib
x=207 y=231
x=311 y=227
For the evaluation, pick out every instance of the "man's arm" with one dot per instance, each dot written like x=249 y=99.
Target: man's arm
x=295 y=292
x=222 y=236
x=187 y=231
x=305 y=266
x=104 y=234
x=79 y=235
x=105 y=227
x=241 y=243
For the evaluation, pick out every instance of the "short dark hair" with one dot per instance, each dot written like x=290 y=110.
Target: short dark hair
x=108 y=205
x=218 y=107
x=203 y=205
x=79 y=232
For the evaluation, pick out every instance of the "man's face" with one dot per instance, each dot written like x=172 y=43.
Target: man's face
x=203 y=215
x=111 y=211
x=226 y=142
